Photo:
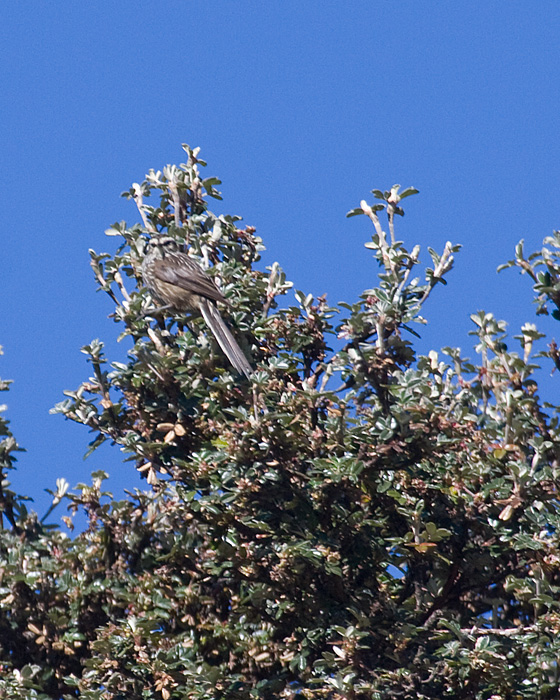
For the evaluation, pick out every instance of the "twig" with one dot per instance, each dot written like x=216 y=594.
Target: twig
x=391 y=217
x=119 y=281
x=176 y=203
x=389 y=265
x=511 y=632
x=140 y=205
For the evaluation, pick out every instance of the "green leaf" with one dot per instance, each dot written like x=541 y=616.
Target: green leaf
x=355 y=212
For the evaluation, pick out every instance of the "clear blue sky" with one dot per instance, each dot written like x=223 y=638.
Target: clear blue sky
x=301 y=109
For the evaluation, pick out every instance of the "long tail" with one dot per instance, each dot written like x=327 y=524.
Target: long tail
x=225 y=339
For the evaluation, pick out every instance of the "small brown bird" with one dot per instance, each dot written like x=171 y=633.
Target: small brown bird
x=178 y=282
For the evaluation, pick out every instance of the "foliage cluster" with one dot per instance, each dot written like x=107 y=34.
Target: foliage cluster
x=352 y=523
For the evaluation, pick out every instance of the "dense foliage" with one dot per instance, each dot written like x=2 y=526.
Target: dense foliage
x=352 y=523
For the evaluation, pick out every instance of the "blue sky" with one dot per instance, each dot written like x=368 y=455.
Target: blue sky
x=301 y=109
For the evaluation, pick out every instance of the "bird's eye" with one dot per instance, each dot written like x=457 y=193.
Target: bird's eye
x=169 y=242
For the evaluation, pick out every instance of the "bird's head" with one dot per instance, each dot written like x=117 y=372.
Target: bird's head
x=160 y=246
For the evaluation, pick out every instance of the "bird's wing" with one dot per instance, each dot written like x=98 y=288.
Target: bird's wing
x=190 y=277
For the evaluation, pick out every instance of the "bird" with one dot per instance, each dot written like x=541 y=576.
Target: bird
x=174 y=279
